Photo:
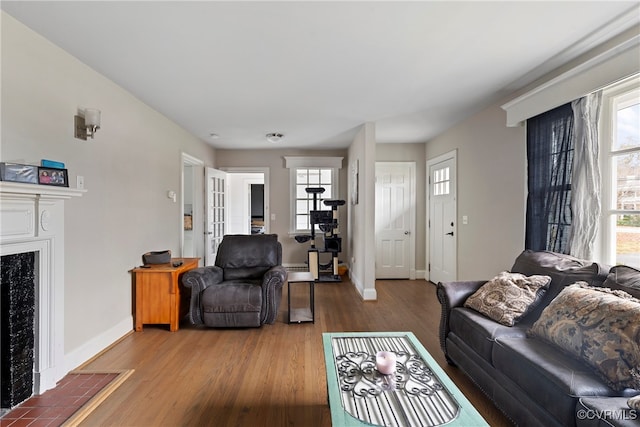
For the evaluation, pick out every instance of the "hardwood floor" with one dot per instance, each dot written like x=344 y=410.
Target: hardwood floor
x=268 y=376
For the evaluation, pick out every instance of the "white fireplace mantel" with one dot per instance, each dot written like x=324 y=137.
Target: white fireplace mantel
x=32 y=220
x=49 y=191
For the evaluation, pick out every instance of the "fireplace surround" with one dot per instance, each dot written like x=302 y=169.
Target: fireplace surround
x=32 y=221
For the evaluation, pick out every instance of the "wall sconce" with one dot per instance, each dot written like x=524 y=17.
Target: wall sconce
x=87 y=122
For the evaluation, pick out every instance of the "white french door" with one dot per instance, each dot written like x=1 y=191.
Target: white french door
x=216 y=212
x=442 y=227
x=395 y=220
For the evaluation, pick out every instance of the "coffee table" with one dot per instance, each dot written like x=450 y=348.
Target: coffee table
x=419 y=393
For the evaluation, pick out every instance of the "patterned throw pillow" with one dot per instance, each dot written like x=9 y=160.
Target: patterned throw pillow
x=598 y=325
x=508 y=296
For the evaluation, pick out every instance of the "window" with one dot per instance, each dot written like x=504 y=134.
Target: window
x=311 y=178
x=311 y=172
x=441 y=182
x=621 y=174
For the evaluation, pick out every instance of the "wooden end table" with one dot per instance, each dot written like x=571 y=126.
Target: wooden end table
x=157 y=292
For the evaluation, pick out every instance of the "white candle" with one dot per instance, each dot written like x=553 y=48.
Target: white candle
x=386 y=362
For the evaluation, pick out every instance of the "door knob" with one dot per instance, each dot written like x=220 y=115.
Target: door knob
x=450 y=234
x=406 y=233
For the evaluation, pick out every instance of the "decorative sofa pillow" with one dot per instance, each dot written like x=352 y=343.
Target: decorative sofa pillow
x=598 y=325
x=508 y=296
x=563 y=269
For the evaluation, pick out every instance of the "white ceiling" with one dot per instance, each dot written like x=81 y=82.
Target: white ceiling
x=316 y=71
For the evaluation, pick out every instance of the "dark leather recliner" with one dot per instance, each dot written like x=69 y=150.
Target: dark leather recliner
x=244 y=288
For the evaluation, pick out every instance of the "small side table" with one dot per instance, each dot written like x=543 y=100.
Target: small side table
x=303 y=314
x=157 y=293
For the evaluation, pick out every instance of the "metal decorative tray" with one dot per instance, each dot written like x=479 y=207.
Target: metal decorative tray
x=412 y=396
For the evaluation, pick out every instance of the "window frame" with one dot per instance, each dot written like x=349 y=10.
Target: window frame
x=295 y=199
x=296 y=163
x=612 y=97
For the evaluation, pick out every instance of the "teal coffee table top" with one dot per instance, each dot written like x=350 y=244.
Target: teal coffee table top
x=419 y=393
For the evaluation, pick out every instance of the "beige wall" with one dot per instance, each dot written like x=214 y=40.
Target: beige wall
x=128 y=168
x=412 y=153
x=279 y=204
x=491 y=191
x=362 y=215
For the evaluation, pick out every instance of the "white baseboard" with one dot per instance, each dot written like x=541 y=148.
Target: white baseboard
x=369 y=295
x=366 y=294
x=95 y=345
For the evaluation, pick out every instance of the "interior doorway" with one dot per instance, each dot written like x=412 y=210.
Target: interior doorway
x=248 y=201
x=191 y=220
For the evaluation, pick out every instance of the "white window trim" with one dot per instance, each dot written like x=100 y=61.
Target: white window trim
x=602 y=65
x=313 y=162
x=293 y=163
x=609 y=211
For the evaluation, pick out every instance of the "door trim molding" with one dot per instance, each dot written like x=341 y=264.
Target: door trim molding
x=451 y=155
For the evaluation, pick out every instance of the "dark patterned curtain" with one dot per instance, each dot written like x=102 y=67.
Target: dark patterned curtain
x=549 y=160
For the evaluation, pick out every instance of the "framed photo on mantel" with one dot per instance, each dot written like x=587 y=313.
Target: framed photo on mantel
x=53 y=176
x=15 y=172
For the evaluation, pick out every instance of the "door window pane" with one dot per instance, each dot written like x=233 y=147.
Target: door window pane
x=441 y=181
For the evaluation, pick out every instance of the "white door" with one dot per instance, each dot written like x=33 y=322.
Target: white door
x=442 y=227
x=395 y=220
x=216 y=213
